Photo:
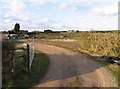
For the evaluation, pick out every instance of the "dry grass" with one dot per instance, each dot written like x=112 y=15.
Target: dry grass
x=95 y=44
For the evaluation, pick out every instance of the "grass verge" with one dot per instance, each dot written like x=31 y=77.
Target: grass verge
x=112 y=68
x=33 y=76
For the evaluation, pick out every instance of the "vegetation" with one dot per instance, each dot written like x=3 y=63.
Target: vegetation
x=48 y=31
x=112 y=68
x=94 y=44
x=7 y=58
x=32 y=77
x=16 y=28
x=102 y=44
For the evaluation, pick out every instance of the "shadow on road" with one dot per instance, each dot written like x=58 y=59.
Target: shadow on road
x=64 y=66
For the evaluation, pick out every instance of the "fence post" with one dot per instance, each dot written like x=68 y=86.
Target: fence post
x=13 y=63
x=31 y=53
x=27 y=56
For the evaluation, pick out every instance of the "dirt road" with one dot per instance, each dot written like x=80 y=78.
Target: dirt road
x=69 y=69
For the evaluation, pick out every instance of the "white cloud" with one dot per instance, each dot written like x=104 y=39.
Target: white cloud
x=42 y=24
x=6 y=16
x=45 y=20
x=79 y=17
x=16 y=6
x=52 y=21
x=95 y=1
x=38 y=2
x=7 y=20
x=106 y=10
x=64 y=5
x=16 y=9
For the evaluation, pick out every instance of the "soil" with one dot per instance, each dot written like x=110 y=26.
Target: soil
x=70 y=69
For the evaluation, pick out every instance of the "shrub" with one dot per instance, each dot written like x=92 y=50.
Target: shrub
x=7 y=59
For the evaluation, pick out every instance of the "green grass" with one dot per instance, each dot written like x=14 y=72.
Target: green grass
x=33 y=76
x=112 y=68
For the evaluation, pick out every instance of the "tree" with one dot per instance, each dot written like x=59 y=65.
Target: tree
x=77 y=31
x=11 y=32
x=48 y=31
x=17 y=28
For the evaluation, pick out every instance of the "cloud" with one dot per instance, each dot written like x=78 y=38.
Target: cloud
x=79 y=17
x=31 y=18
x=41 y=2
x=16 y=9
x=108 y=10
x=44 y=23
x=7 y=20
x=86 y=1
x=45 y=20
x=64 y=5
x=51 y=21
x=38 y=2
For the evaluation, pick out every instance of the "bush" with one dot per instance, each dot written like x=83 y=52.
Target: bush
x=7 y=59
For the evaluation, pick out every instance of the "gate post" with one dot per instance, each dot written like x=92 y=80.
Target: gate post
x=27 y=56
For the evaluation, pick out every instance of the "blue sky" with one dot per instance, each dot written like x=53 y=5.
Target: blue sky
x=59 y=14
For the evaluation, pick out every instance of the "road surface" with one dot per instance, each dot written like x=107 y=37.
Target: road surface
x=69 y=69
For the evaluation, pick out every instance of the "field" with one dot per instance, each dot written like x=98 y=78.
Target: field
x=93 y=44
x=97 y=44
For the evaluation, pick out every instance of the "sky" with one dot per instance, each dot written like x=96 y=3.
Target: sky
x=59 y=15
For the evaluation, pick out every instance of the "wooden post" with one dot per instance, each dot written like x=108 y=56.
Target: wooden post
x=27 y=56
x=13 y=62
